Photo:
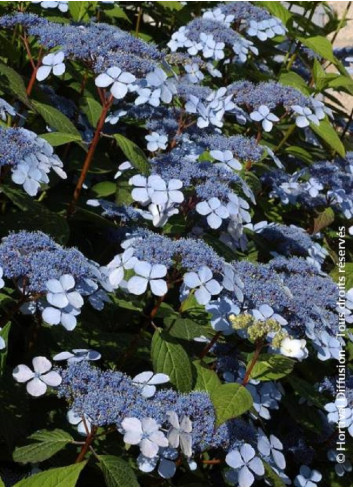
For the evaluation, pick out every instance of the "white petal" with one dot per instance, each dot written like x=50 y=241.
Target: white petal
x=67 y=281
x=205 y=274
x=75 y=299
x=143 y=377
x=159 y=287
x=158 y=271
x=59 y=300
x=51 y=315
x=148 y=448
x=103 y=80
x=132 y=424
x=41 y=365
x=68 y=321
x=43 y=72
x=148 y=391
x=119 y=90
x=36 y=387
x=22 y=373
x=159 y=379
x=64 y=355
x=137 y=285
x=59 y=69
x=51 y=378
x=54 y=286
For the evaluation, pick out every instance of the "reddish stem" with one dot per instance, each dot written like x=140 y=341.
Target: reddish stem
x=210 y=345
x=89 y=156
x=86 y=446
x=255 y=357
x=34 y=74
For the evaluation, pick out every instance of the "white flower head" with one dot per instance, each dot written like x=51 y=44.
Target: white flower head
x=294 y=348
x=263 y=115
x=180 y=433
x=53 y=62
x=119 y=81
x=147 y=274
x=39 y=378
x=147 y=382
x=145 y=433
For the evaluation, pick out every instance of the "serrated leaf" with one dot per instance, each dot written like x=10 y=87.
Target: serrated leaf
x=51 y=442
x=133 y=153
x=56 y=119
x=327 y=133
x=230 y=401
x=206 y=379
x=60 y=138
x=15 y=83
x=92 y=109
x=271 y=367
x=58 y=477
x=170 y=358
x=117 y=472
x=323 y=220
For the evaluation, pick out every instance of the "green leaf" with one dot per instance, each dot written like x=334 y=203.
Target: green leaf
x=324 y=219
x=272 y=476
x=271 y=367
x=56 y=119
x=104 y=189
x=14 y=83
x=60 y=138
x=186 y=328
x=4 y=334
x=327 y=133
x=348 y=274
x=171 y=5
x=50 y=442
x=79 y=10
x=170 y=358
x=58 y=477
x=300 y=153
x=342 y=82
x=294 y=80
x=320 y=45
x=117 y=13
x=1 y=483
x=230 y=401
x=92 y=109
x=133 y=153
x=304 y=389
x=117 y=472
x=206 y=379
x=277 y=9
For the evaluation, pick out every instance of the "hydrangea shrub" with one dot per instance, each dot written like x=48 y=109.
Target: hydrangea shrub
x=176 y=189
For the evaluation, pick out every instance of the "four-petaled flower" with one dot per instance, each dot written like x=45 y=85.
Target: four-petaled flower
x=272 y=446
x=246 y=463
x=156 y=141
x=118 y=81
x=214 y=210
x=147 y=382
x=226 y=159
x=307 y=477
x=148 y=274
x=145 y=433
x=304 y=115
x=263 y=115
x=83 y=423
x=204 y=284
x=61 y=293
x=39 y=378
x=180 y=433
x=77 y=355
x=53 y=62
